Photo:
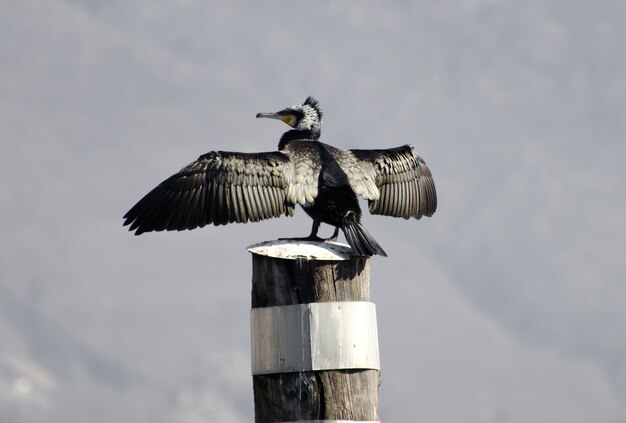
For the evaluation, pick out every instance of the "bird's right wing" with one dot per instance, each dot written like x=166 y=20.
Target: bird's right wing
x=396 y=181
x=218 y=188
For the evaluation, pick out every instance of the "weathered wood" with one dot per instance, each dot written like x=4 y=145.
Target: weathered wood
x=286 y=281
x=325 y=395
x=295 y=276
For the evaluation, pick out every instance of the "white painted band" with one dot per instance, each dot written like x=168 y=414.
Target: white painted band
x=334 y=421
x=316 y=336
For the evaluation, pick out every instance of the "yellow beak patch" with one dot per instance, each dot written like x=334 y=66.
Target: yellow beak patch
x=289 y=120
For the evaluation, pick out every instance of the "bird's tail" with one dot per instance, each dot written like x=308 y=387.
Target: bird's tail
x=361 y=241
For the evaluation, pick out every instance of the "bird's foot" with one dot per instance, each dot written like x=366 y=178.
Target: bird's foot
x=306 y=238
x=334 y=236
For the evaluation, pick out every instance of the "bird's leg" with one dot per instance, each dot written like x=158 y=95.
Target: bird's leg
x=334 y=236
x=312 y=237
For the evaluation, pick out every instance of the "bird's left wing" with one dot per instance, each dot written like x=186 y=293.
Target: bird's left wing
x=396 y=182
x=219 y=188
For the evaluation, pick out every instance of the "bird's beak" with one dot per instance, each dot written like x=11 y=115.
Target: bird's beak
x=270 y=116
x=288 y=118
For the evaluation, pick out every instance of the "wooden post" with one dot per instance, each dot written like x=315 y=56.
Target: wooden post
x=314 y=335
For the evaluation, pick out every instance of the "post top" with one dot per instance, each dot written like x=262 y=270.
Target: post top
x=291 y=249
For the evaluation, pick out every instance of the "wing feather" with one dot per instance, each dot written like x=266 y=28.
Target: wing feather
x=260 y=205
x=218 y=188
x=273 y=196
x=192 y=207
x=396 y=181
x=249 y=201
x=201 y=210
x=225 y=212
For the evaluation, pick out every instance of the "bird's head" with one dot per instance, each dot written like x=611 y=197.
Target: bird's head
x=305 y=117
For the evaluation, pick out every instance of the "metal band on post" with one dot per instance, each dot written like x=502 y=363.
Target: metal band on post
x=316 y=336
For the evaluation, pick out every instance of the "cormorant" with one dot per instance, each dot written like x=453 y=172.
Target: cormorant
x=227 y=187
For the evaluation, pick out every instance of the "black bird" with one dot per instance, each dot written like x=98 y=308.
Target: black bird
x=227 y=187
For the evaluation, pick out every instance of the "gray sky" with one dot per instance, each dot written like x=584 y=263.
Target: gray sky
x=509 y=305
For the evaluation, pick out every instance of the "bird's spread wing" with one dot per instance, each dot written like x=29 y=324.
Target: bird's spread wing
x=396 y=182
x=307 y=164
x=218 y=188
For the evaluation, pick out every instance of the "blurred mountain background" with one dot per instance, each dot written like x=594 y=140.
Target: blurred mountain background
x=509 y=305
